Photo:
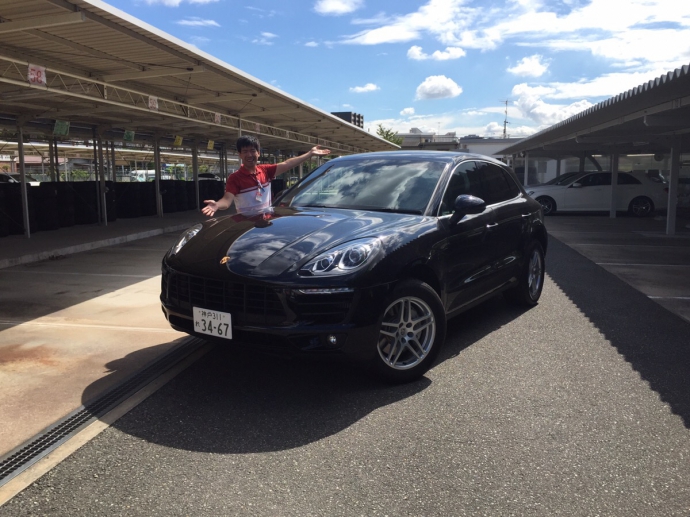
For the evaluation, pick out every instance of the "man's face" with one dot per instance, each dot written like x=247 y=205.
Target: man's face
x=249 y=156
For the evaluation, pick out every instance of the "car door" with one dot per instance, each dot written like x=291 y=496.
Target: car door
x=464 y=252
x=591 y=192
x=510 y=216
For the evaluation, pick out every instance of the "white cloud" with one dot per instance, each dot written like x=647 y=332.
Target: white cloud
x=311 y=44
x=198 y=22
x=416 y=53
x=532 y=106
x=199 y=41
x=438 y=87
x=176 y=3
x=532 y=66
x=369 y=87
x=265 y=39
x=337 y=7
x=262 y=13
x=641 y=35
x=167 y=3
x=407 y=112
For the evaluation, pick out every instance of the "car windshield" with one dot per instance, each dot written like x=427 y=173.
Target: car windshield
x=384 y=184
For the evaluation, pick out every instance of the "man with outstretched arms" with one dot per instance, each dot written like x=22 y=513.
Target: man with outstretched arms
x=250 y=185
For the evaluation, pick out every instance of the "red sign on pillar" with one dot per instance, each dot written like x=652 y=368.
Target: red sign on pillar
x=37 y=75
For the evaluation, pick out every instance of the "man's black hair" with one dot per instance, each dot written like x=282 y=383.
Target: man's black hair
x=247 y=141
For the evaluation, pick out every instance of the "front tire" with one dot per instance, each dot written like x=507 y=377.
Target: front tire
x=548 y=205
x=531 y=278
x=641 y=206
x=411 y=332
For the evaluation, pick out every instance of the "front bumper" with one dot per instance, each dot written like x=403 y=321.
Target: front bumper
x=279 y=319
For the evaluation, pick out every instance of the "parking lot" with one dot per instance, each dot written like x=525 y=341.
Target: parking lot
x=579 y=406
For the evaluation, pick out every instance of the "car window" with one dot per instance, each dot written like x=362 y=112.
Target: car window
x=497 y=186
x=563 y=179
x=370 y=184
x=627 y=179
x=596 y=180
x=464 y=180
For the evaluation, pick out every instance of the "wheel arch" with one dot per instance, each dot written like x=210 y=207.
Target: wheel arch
x=540 y=234
x=425 y=274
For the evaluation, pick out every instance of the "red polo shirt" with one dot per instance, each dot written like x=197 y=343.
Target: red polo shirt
x=252 y=192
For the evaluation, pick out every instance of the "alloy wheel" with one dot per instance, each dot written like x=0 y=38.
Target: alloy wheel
x=407 y=333
x=535 y=273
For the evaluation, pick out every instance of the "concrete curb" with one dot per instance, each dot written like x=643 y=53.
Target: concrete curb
x=77 y=248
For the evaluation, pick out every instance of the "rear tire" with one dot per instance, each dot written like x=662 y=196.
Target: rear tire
x=641 y=207
x=411 y=333
x=548 y=205
x=531 y=278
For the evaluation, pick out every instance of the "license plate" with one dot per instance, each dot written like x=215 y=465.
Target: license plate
x=213 y=323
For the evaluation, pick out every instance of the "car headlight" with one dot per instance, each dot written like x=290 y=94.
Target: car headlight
x=185 y=238
x=343 y=259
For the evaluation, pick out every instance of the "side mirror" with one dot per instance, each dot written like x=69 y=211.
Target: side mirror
x=466 y=204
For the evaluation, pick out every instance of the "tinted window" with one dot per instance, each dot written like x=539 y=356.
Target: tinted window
x=596 y=180
x=563 y=179
x=496 y=184
x=464 y=180
x=627 y=179
x=400 y=184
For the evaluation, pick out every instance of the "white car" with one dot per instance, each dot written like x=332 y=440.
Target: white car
x=636 y=193
x=12 y=177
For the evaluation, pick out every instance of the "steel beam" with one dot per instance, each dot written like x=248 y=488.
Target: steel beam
x=40 y=22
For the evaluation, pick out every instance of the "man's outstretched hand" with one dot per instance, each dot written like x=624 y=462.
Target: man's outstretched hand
x=211 y=207
x=316 y=150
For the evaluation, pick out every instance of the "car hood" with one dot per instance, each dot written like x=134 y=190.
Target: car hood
x=278 y=242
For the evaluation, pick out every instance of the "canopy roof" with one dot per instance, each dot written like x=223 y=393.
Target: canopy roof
x=651 y=118
x=107 y=70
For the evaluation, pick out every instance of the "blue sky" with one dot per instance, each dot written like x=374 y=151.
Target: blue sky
x=438 y=65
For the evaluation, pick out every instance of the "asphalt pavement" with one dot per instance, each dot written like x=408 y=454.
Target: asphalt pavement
x=578 y=407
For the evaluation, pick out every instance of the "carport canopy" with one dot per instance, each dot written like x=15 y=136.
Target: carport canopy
x=653 y=118
x=86 y=62
x=113 y=77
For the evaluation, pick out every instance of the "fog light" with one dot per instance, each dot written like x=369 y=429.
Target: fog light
x=332 y=340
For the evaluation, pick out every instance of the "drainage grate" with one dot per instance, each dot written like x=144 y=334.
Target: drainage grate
x=21 y=458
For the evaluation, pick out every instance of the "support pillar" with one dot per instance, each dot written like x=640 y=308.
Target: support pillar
x=615 y=159
x=112 y=160
x=94 y=169
x=22 y=177
x=195 y=173
x=57 y=162
x=51 y=158
x=101 y=182
x=157 y=174
x=673 y=187
x=558 y=167
x=526 y=174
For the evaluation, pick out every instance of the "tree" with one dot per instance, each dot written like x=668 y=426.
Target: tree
x=389 y=134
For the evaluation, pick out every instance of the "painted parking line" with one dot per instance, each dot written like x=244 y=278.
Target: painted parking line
x=669 y=297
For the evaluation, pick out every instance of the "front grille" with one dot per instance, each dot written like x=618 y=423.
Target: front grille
x=248 y=304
